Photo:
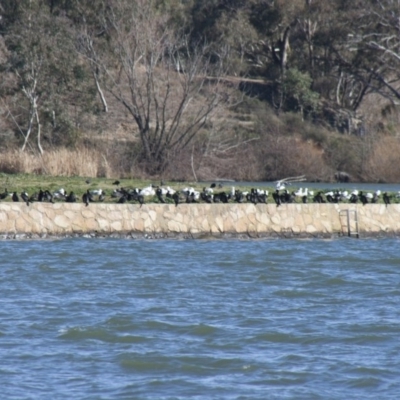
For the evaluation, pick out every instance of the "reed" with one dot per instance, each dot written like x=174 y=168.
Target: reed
x=382 y=165
x=60 y=162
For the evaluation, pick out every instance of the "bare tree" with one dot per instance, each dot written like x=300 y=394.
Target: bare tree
x=85 y=46
x=367 y=58
x=29 y=88
x=381 y=27
x=43 y=68
x=28 y=70
x=170 y=88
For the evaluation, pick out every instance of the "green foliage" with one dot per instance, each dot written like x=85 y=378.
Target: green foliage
x=339 y=53
x=79 y=73
x=265 y=16
x=298 y=90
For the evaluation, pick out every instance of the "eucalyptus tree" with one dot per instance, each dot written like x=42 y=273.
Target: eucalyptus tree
x=41 y=57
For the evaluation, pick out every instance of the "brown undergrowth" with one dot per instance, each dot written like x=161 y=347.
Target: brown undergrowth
x=272 y=157
x=61 y=162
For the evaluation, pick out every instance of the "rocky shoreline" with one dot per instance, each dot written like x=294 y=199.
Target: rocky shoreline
x=197 y=221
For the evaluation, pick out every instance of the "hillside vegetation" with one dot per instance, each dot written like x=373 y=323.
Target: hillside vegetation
x=200 y=90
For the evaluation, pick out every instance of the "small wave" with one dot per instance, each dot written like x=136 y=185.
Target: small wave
x=146 y=364
x=277 y=337
x=47 y=268
x=120 y=322
x=367 y=382
x=83 y=333
x=130 y=339
x=80 y=333
x=367 y=338
x=293 y=293
x=159 y=325
x=203 y=330
x=285 y=379
x=369 y=371
x=336 y=281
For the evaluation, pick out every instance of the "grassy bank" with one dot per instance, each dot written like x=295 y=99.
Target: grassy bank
x=32 y=184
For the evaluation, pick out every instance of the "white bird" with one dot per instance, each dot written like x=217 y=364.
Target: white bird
x=96 y=192
x=344 y=195
x=280 y=185
x=262 y=192
x=60 y=193
x=191 y=191
x=148 y=191
x=165 y=190
x=301 y=192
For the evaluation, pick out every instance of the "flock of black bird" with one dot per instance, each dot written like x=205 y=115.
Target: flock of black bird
x=212 y=194
x=41 y=196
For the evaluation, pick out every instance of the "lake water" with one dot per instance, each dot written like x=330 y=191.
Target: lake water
x=185 y=319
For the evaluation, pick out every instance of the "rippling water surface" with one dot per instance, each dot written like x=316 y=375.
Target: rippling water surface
x=221 y=319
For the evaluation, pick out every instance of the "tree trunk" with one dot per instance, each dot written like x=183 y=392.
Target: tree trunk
x=100 y=92
x=38 y=132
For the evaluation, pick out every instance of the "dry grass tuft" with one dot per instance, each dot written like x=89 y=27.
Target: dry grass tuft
x=382 y=165
x=62 y=162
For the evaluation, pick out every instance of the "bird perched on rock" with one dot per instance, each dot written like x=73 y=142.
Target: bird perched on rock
x=122 y=199
x=238 y=196
x=15 y=197
x=40 y=195
x=277 y=198
x=386 y=198
x=25 y=197
x=86 y=198
x=160 y=195
x=59 y=194
x=140 y=199
x=4 y=194
x=48 y=197
x=102 y=196
x=71 y=198
x=175 y=197
x=363 y=198
x=318 y=198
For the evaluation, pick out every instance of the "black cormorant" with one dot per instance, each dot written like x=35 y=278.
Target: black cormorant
x=71 y=198
x=160 y=195
x=85 y=197
x=175 y=197
x=277 y=198
x=25 y=197
x=386 y=198
x=3 y=195
x=140 y=199
x=363 y=198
